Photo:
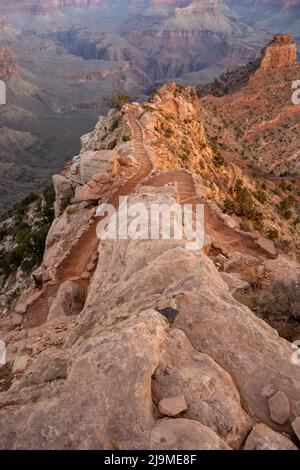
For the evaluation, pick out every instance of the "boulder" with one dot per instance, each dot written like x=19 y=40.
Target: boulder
x=16 y=319
x=240 y=263
x=296 y=427
x=264 y=438
x=49 y=365
x=207 y=389
x=172 y=406
x=184 y=434
x=69 y=301
x=95 y=188
x=105 y=401
x=96 y=163
x=20 y=363
x=234 y=282
x=21 y=308
x=267 y=246
x=279 y=408
x=254 y=355
x=283 y=269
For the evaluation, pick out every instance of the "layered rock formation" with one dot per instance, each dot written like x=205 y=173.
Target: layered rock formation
x=272 y=109
x=282 y=51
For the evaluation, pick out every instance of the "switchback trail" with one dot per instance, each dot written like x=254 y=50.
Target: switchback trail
x=74 y=266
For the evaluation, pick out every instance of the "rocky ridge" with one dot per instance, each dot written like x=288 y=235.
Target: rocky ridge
x=148 y=318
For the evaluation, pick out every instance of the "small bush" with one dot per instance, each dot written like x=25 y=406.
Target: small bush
x=245 y=203
x=126 y=138
x=3 y=232
x=273 y=234
x=280 y=301
x=286 y=205
x=229 y=206
x=20 y=209
x=219 y=161
x=114 y=125
x=261 y=196
x=117 y=101
x=66 y=202
x=30 y=240
x=168 y=132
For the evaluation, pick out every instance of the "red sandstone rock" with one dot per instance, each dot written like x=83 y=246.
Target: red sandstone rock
x=279 y=408
x=184 y=434
x=264 y=438
x=172 y=406
x=281 y=52
x=296 y=427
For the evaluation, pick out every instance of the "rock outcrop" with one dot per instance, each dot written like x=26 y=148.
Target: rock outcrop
x=281 y=51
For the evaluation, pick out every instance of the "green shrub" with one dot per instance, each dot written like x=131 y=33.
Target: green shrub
x=296 y=221
x=219 y=161
x=117 y=101
x=286 y=205
x=245 y=203
x=229 y=206
x=20 y=209
x=287 y=214
x=66 y=202
x=30 y=240
x=261 y=196
x=168 y=132
x=126 y=138
x=3 y=232
x=114 y=125
x=273 y=234
x=38 y=238
x=47 y=204
x=9 y=261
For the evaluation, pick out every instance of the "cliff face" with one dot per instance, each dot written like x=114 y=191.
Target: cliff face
x=281 y=51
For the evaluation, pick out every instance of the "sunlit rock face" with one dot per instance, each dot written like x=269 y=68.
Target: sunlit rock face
x=281 y=52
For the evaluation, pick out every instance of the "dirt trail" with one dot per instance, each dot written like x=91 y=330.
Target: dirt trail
x=80 y=255
x=214 y=226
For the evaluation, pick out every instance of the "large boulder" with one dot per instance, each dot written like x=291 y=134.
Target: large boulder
x=257 y=359
x=267 y=246
x=97 y=163
x=68 y=301
x=209 y=392
x=264 y=438
x=104 y=403
x=283 y=269
x=184 y=434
